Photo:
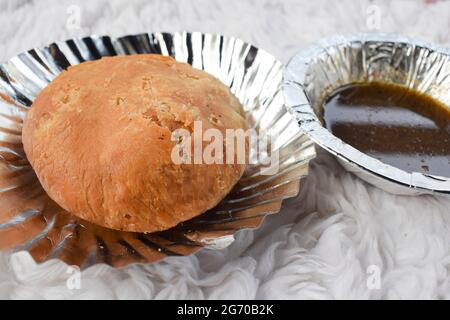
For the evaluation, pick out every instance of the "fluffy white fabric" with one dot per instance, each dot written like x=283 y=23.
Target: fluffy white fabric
x=323 y=242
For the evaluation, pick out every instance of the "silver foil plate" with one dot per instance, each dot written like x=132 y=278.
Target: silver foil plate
x=312 y=74
x=30 y=220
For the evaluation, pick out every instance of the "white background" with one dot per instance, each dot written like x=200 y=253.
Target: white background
x=323 y=242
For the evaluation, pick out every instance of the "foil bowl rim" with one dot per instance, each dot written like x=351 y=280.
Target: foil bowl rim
x=294 y=75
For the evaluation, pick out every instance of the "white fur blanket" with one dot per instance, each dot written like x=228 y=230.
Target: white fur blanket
x=340 y=238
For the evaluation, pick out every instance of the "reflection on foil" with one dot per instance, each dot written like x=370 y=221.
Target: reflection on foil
x=317 y=71
x=29 y=220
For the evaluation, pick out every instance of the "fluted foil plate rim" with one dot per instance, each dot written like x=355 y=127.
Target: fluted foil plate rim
x=253 y=75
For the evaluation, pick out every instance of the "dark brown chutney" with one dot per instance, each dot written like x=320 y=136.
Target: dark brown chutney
x=392 y=123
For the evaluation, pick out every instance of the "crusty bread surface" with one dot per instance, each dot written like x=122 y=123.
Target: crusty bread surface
x=99 y=139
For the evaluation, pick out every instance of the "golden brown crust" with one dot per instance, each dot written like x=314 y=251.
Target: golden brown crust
x=99 y=139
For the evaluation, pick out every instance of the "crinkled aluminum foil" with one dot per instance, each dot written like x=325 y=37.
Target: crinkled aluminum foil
x=314 y=73
x=29 y=220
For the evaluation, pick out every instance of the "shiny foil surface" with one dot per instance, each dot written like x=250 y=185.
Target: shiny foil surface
x=30 y=220
x=314 y=73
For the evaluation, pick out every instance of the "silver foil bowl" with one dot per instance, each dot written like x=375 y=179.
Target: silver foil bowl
x=30 y=221
x=314 y=73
